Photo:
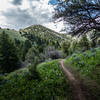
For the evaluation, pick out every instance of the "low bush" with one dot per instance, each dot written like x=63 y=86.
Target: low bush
x=87 y=63
x=51 y=85
x=87 y=67
x=33 y=73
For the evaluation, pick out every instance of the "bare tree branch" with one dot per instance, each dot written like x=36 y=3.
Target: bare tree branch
x=83 y=15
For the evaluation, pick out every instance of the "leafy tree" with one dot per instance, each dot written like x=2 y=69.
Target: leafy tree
x=26 y=47
x=8 y=54
x=83 y=43
x=65 y=47
x=94 y=36
x=82 y=15
x=19 y=46
x=57 y=45
x=32 y=52
x=33 y=73
x=98 y=42
x=73 y=47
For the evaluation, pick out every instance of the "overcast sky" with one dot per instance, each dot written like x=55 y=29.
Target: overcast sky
x=19 y=14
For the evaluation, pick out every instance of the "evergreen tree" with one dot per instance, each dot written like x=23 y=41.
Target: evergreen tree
x=26 y=47
x=94 y=36
x=73 y=47
x=33 y=73
x=19 y=46
x=65 y=47
x=8 y=54
x=84 y=43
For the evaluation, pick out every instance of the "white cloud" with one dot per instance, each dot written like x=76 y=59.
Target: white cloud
x=27 y=13
x=5 y=4
x=55 y=26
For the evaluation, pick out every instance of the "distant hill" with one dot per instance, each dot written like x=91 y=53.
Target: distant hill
x=13 y=34
x=43 y=32
x=36 y=30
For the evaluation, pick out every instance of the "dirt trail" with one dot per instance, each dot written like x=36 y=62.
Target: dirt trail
x=75 y=83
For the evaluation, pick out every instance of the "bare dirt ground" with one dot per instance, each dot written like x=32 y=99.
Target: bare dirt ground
x=75 y=83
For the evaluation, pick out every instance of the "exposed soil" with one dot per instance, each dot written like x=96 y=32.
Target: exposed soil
x=79 y=92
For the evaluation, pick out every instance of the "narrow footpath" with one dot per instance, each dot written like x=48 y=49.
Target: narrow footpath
x=75 y=83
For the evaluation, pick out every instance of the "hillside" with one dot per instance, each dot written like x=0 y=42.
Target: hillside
x=86 y=66
x=35 y=41
x=52 y=84
x=36 y=75
x=60 y=63
x=37 y=30
x=13 y=34
x=43 y=32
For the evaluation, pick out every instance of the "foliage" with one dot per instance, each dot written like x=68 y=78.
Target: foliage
x=33 y=73
x=75 y=45
x=17 y=38
x=26 y=47
x=8 y=54
x=43 y=33
x=94 y=36
x=87 y=63
x=98 y=42
x=40 y=38
x=51 y=85
x=32 y=52
x=65 y=47
x=84 y=43
x=81 y=15
x=13 y=34
x=1 y=78
x=87 y=67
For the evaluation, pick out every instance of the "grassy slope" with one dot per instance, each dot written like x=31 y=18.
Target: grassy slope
x=17 y=86
x=38 y=30
x=13 y=34
x=87 y=64
x=43 y=32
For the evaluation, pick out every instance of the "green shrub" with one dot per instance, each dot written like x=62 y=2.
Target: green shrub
x=52 y=84
x=33 y=73
x=86 y=62
x=87 y=66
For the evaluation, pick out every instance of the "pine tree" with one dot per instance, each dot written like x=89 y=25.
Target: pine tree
x=26 y=47
x=84 y=43
x=65 y=47
x=8 y=54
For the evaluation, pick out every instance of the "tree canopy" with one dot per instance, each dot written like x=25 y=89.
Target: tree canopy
x=82 y=15
x=8 y=54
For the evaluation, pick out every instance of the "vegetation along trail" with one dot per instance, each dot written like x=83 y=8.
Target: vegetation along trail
x=78 y=93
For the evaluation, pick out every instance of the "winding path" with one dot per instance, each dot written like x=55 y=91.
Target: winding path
x=75 y=83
